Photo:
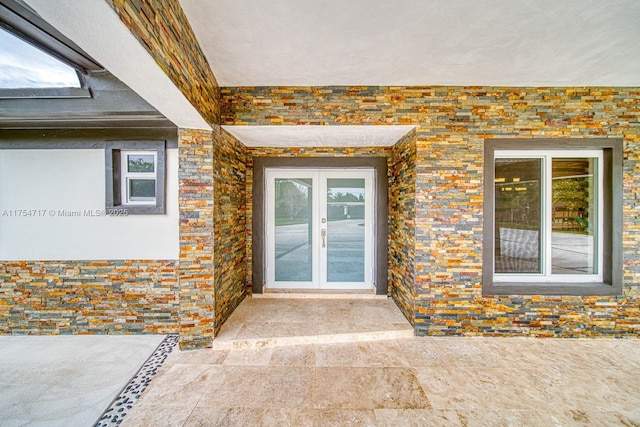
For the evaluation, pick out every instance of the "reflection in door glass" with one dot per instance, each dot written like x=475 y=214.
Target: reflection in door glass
x=345 y=229
x=293 y=236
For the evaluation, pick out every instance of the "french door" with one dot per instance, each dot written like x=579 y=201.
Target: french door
x=319 y=228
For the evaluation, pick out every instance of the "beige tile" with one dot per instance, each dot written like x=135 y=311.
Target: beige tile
x=417 y=418
x=181 y=385
x=472 y=389
x=466 y=418
x=441 y=351
x=291 y=386
x=260 y=387
x=229 y=330
x=345 y=417
x=295 y=355
x=200 y=357
x=242 y=417
x=255 y=357
x=367 y=388
x=590 y=417
x=355 y=327
x=156 y=415
x=615 y=389
x=349 y=367
x=262 y=329
x=364 y=353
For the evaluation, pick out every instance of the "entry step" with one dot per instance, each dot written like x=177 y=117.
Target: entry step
x=319 y=294
x=273 y=322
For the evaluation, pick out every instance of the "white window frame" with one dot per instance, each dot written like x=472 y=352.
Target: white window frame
x=127 y=176
x=546 y=276
x=116 y=202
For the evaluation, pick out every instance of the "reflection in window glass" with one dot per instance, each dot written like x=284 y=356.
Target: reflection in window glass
x=574 y=216
x=142 y=189
x=517 y=216
x=140 y=163
x=25 y=66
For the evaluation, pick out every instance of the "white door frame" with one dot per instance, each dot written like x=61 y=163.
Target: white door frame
x=319 y=252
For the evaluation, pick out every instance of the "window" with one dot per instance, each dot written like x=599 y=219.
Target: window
x=24 y=66
x=135 y=176
x=138 y=177
x=552 y=217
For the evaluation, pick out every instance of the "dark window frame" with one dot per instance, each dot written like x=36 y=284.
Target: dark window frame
x=612 y=149
x=113 y=173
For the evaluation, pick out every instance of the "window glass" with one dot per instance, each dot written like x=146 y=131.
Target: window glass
x=553 y=217
x=139 y=177
x=574 y=216
x=142 y=189
x=517 y=216
x=546 y=216
x=141 y=163
x=25 y=66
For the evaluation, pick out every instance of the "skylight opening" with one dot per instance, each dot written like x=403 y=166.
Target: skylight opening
x=25 y=66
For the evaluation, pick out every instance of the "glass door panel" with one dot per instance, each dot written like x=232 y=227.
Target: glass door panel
x=319 y=225
x=345 y=229
x=293 y=230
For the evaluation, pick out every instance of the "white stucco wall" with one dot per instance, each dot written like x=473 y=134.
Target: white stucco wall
x=40 y=189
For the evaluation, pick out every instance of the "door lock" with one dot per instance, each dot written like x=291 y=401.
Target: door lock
x=323 y=233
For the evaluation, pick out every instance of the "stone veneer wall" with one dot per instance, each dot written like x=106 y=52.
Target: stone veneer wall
x=163 y=29
x=230 y=278
x=402 y=224
x=294 y=152
x=196 y=267
x=88 y=297
x=451 y=125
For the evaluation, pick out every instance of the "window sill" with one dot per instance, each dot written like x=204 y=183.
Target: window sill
x=125 y=210
x=551 y=289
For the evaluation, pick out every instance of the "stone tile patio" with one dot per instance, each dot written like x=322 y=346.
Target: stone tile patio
x=314 y=362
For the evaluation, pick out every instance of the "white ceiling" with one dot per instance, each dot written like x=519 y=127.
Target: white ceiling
x=419 y=42
x=318 y=136
x=368 y=42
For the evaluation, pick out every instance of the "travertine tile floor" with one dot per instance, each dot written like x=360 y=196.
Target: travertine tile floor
x=257 y=375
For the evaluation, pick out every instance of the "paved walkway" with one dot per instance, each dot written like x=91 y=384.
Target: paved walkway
x=262 y=372
x=66 y=380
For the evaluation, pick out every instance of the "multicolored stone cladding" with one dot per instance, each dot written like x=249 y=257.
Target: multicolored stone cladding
x=402 y=227
x=451 y=125
x=294 y=152
x=230 y=278
x=88 y=297
x=196 y=264
x=163 y=29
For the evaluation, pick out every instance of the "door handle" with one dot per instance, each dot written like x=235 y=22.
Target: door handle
x=323 y=233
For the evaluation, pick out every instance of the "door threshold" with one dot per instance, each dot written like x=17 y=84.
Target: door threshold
x=319 y=293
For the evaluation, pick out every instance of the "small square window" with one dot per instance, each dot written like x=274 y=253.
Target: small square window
x=139 y=177
x=135 y=176
x=552 y=217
